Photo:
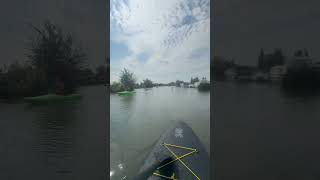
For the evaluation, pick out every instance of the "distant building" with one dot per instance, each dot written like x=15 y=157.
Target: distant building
x=266 y=61
x=204 y=81
x=191 y=86
x=244 y=73
x=230 y=74
x=278 y=72
x=299 y=62
x=260 y=76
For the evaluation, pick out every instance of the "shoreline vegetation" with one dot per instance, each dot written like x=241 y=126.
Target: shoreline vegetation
x=297 y=72
x=127 y=84
x=55 y=65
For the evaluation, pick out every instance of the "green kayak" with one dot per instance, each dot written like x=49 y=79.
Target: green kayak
x=52 y=98
x=126 y=92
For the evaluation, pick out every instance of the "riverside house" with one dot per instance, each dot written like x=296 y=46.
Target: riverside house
x=241 y=73
x=278 y=72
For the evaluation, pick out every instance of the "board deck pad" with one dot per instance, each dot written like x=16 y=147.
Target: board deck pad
x=179 y=141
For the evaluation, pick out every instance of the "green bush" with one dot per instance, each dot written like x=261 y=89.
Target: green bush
x=204 y=86
x=116 y=87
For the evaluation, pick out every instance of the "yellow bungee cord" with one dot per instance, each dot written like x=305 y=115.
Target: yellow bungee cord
x=177 y=158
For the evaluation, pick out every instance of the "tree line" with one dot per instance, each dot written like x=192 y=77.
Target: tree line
x=128 y=82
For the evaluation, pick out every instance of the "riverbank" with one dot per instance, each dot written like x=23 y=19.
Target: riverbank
x=52 y=98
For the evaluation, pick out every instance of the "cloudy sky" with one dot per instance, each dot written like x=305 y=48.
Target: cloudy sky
x=161 y=40
x=242 y=27
x=86 y=19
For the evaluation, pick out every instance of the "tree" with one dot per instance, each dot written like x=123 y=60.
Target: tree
x=57 y=55
x=218 y=67
x=194 y=80
x=102 y=74
x=87 y=77
x=128 y=80
x=107 y=62
x=116 y=87
x=147 y=83
x=298 y=53
x=204 y=85
x=278 y=57
x=178 y=83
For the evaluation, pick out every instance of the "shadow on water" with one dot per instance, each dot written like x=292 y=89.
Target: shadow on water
x=298 y=95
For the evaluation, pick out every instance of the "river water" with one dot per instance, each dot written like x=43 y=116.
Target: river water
x=137 y=121
x=59 y=141
x=263 y=132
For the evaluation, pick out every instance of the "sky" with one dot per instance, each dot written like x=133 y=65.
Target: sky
x=87 y=20
x=162 y=40
x=242 y=27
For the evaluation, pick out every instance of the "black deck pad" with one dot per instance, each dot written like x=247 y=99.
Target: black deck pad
x=179 y=135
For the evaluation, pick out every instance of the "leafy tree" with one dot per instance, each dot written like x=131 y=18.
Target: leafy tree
x=278 y=57
x=22 y=80
x=116 y=87
x=218 y=67
x=102 y=74
x=87 y=77
x=127 y=79
x=298 y=53
x=204 y=85
x=57 y=55
x=147 y=83
x=194 y=80
x=107 y=62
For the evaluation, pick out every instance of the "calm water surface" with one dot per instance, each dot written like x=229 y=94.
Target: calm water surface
x=138 y=120
x=60 y=142
x=263 y=132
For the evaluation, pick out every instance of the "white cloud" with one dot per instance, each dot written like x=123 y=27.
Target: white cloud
x=171 y=30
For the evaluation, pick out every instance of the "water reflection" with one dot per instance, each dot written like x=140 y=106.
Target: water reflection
x=269 y=129
x=56 y=141
x=119 y=126
x=53 y=125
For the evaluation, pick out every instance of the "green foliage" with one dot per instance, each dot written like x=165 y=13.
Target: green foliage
x=116 y=87
x=57 y=55
x=102 y=74
x=22 y=80
x=178 y=82
x=194 y=80
x=54 y=66
x=128 y=80
x=87 y=77
x=204 y=85
x=218 y=67
x=147 y=83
